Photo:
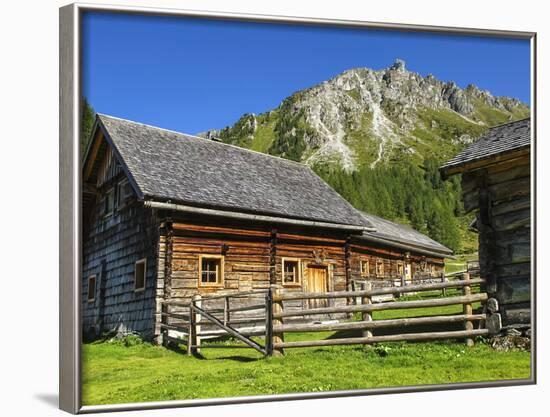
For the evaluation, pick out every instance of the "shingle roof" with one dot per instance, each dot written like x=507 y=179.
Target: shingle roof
x=171 y=166
x=498 y=140
x=400 y=233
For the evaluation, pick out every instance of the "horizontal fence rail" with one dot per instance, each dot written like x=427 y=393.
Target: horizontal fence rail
x=392 y=305
x=378 y=291
x=267 y=315
x=378 y=324
x=365 y=306
x=381 y=339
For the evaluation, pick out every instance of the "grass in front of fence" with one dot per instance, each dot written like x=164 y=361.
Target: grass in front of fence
x=459 y=264
x=130 y=371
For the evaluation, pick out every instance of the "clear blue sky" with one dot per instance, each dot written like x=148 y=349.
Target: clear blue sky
x=192 y=75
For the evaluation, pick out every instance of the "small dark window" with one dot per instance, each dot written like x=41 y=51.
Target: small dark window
x=211 y=270
x=139 y=275
x=291 y=271
x=109 y=202
x=124 y=192
x=91 y=289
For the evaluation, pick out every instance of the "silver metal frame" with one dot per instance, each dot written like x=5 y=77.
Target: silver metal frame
x=70 y=204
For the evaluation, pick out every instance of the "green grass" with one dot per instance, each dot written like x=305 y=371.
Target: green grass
x=114 y=373
x=459 y=264
x=121 y=372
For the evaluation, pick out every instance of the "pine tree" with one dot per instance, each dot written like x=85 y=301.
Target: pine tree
x=88 y=117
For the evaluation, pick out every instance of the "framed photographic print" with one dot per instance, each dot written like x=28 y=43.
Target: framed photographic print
x=261 y=208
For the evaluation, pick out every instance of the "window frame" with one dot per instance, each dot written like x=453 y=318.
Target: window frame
x=402 y=266
x=144 y=262
x=105 y=202
x=379 y=262
x=298 y=278
x=220 y=279
x=90 y=278
x=364 y=272
x=121 y=200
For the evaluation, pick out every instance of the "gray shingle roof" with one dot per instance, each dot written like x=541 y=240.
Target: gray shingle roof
x=498 y=140
x=400 y=233
x=171 y=166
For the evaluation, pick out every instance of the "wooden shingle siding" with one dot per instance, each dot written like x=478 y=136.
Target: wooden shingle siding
x=503 y=203
x=118 y=241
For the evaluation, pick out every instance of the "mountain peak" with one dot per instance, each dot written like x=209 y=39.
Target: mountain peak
x=398 y=65
x=364 y=117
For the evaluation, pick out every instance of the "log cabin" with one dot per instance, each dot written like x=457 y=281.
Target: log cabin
x=167 y=216
x=496 y=183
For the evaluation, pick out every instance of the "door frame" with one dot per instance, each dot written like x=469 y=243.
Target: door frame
x=305 y=275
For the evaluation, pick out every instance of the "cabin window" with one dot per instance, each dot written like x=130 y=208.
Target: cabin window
x=211 y=270
x=124 y=192
x=291 y=271
x=109 y=202
x=91 y=289
x=364 y=268
x=140 y=268
x=400 y=269
x=379 y=268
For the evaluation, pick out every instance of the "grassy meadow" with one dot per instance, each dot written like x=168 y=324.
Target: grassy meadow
x=128 y=370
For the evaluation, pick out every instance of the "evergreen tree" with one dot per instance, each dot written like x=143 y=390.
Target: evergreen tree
x=88 y=117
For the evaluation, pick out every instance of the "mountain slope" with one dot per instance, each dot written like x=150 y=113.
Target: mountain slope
x=364 y=116
x=378 y=136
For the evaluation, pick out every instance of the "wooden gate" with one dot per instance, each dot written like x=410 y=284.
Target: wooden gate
x=200 y=319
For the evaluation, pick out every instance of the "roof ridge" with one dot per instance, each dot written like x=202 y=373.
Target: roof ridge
x=508 y=123
x=205 y=139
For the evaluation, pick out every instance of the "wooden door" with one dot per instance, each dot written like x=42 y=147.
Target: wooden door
x=317 y=282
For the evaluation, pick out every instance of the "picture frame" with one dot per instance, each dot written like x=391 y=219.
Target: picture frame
x=70 y=201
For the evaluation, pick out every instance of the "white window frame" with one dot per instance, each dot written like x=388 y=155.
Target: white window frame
x=220 y=278
x=144 y=262
x=298 y=278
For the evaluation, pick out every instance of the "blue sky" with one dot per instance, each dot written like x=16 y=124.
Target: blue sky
x=191 y=75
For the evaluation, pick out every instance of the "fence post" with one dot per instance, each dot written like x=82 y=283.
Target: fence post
x=269 y=323
x=191 y=331
x=277 y=337
x=468 y=325
x=403 y=282
x=444 y=290
x=164 y=320
x=196 y=324
x=367 y=316
x=226 y=316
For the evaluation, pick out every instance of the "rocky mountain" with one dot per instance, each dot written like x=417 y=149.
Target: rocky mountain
x=367 y=117
x=378 y=137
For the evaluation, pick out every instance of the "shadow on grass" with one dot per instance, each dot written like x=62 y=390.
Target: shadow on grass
x=198 y=355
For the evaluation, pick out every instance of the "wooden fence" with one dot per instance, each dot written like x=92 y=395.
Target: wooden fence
x=215 y=316
x=279 y=314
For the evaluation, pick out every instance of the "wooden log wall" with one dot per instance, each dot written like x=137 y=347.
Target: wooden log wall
x=253 y=260
x=425 y=266
x=500 y=194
